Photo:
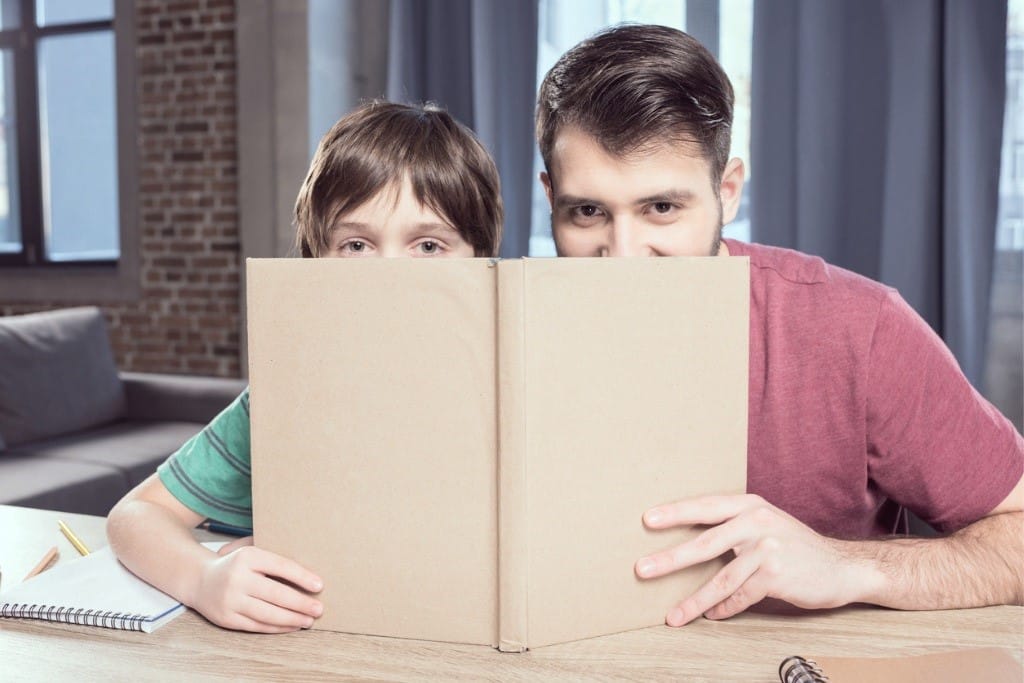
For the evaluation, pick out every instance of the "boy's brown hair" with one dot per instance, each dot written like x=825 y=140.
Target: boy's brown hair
x=375 y=147
x=636 y=86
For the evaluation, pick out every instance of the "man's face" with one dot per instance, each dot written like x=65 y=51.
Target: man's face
x=659 y=203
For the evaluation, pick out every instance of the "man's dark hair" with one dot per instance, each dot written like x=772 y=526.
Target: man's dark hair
x=635 y=87
x=378 y=144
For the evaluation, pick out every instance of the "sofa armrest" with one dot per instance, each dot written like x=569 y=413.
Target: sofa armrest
x=188 y=398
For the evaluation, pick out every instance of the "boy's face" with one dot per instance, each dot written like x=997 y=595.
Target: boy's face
x=392 y=224
x=660 y=203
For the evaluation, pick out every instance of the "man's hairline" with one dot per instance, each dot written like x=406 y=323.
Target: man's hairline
x=641 y=150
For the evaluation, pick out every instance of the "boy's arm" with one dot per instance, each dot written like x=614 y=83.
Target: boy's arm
x=778 y=556
x=150 y=532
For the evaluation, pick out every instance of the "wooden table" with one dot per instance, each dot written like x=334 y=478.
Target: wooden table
x=747 y=647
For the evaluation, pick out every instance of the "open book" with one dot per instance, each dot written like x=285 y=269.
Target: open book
x=463 y=448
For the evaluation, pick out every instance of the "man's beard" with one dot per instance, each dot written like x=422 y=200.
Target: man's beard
x=716 y=243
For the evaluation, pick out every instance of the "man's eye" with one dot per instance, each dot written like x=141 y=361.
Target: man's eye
x=662 y=207
x=586 y=211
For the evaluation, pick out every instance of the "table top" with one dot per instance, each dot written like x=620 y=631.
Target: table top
x=747 y=647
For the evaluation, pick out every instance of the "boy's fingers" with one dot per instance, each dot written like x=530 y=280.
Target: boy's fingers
x=271 y=615
x=277 y=593
x=272 y=564
x=240 y=622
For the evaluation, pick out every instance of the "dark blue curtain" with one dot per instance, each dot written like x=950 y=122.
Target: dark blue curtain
x=875 y=143
x=478 y=59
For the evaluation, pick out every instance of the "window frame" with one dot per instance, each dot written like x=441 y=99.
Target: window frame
x=26 y=276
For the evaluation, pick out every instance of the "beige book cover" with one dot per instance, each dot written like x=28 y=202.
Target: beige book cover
x=463 y=449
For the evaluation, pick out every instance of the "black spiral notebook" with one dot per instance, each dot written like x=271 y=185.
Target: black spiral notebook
x=992 y=665
x=95 y=590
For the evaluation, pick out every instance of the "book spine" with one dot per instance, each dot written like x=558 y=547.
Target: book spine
x=512 y=499
x=83 y=617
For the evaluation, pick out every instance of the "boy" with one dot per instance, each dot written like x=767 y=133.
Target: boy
x=856 y=406
x=388 y=180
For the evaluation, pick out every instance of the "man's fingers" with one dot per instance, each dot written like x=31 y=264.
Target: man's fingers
x=726 y=582
x=274 y=565
x=701 y=510
x=277 y=593
x=750 y=593
x=709 y=544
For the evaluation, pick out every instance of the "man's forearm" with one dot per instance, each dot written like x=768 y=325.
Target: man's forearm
x=982 y=564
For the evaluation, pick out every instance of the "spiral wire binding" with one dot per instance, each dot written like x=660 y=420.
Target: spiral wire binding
x=84 y=617
x=799 y=670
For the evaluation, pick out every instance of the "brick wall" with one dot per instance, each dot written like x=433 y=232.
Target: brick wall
x=187 y=318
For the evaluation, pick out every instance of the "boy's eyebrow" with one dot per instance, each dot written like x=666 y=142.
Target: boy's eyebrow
x=418 y=227
x=436 y=227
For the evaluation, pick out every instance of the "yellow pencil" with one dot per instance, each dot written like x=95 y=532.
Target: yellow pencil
x=79 y=546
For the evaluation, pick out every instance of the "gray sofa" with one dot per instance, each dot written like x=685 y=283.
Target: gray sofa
x=76 y=434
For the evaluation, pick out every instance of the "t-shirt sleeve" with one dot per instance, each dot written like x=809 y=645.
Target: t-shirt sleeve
x=935 y=445
x=211 y=474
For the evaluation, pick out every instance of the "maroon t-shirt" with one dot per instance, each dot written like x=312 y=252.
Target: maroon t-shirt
x=857 y=406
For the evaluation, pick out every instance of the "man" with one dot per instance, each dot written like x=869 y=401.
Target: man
x=856 y=407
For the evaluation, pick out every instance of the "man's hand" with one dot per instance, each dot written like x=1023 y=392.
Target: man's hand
x=243 y=587
x=776 y=556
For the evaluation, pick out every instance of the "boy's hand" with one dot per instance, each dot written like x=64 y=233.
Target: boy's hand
x=776 y=556
x=244 y=588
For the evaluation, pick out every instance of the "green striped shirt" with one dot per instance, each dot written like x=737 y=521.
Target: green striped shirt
x=211 y=474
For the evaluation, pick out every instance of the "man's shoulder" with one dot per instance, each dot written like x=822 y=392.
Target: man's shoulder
x=777 y=268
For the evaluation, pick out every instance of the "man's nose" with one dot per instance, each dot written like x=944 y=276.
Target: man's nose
x=626 y=239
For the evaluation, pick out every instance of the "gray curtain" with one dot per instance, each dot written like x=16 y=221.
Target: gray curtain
x=875 y=143
x=478 y=59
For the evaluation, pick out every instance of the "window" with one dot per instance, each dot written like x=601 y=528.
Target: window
x=1004 y=368
x=59 y=180
x=725 y=28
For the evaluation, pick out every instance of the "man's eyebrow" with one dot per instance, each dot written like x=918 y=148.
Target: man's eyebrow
x=679 y=196
x=564 y=200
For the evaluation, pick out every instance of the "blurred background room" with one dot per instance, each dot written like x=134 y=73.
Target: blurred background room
x=148 y=147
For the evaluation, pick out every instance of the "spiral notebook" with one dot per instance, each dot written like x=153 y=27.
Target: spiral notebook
x=992 y=665
x=95 y=590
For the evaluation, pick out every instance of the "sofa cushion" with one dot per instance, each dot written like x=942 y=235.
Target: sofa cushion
x=59 y=485
x=57 y=374
x=134 y=448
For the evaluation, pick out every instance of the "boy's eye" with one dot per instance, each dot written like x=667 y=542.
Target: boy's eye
x=355 y=245
x=430 y=247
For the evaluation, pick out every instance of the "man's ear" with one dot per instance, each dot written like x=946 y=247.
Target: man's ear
x=731 y=190
x=545 y=180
